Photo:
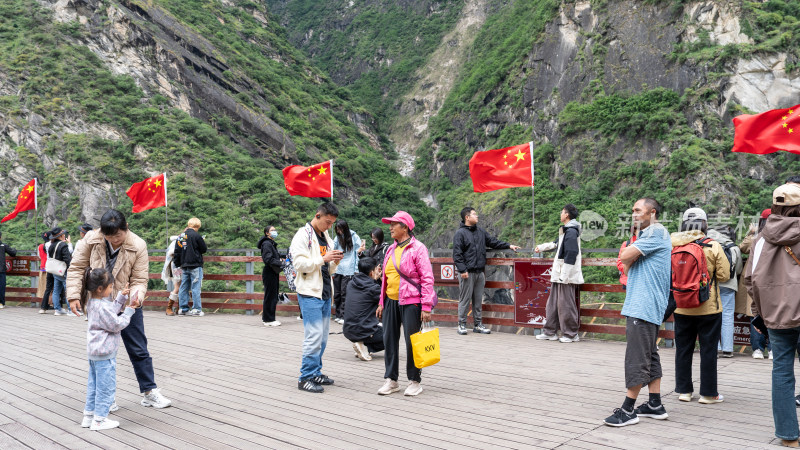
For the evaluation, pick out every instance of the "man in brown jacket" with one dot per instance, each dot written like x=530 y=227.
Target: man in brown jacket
x=124 y=254
x=772 y=280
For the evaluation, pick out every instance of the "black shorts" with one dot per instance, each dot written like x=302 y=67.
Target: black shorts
x=642 y=363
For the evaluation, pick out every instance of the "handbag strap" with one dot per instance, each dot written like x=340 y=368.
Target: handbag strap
x=791 y=253
x=404 y=276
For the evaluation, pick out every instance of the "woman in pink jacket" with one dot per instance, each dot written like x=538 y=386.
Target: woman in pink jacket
x=406 y=298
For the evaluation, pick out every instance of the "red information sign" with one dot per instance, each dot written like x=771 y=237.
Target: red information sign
x=741 y=329
x=531 y=291
x=16 y=266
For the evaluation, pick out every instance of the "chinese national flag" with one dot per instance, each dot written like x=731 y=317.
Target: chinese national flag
x=26 y=200
x=504 y=168
x=148 y=194
x=311 y=181
x=768 y=132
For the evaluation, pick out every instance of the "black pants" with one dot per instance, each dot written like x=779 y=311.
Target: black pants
x=395 y=315
x=707 y=330
x=375 y=343
x=270 y=279
x=136 y=345
x=48 y=291
x=340 y=283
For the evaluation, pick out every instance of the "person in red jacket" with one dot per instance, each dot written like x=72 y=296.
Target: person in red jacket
x=623 y=278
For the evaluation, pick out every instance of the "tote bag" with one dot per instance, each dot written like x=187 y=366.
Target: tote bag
x=425 y=346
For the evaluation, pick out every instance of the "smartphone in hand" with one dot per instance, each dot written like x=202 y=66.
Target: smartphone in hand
x=134 y=301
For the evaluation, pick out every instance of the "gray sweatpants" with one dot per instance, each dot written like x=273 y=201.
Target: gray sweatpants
x=561 y=311
x=470 y=291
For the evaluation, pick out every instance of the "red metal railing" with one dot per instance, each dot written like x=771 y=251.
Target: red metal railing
x=446 y=311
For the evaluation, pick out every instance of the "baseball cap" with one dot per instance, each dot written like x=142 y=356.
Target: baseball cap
x=765 y=213
x=694 y=213
x=786 y=195
x=402 y=217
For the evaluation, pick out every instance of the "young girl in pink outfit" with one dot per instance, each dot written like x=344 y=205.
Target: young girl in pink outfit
x=102 y=343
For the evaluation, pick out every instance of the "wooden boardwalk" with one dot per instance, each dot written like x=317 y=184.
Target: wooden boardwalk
x=233 y=384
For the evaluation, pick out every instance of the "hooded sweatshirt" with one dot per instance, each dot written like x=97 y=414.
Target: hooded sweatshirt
x=567 y=264
x=773 y=277
x=719 y=270
x=363 y=295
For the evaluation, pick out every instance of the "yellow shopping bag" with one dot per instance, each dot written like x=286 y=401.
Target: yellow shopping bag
x=425 y=345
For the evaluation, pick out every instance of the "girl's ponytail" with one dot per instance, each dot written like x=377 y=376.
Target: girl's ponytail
x=85 y=288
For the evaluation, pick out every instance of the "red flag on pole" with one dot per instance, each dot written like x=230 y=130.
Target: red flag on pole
x=148 y=194
x=503 y=168
x=311 y=181
x=768 y=132
x=26 y=200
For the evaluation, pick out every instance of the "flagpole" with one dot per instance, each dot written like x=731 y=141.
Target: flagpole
x=331 y=179
x=533 y=199
x=166 y=208
x=36 y=213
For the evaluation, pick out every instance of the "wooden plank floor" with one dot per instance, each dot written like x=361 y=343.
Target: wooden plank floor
x=233 y=384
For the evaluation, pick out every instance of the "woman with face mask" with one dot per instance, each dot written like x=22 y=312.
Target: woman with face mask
x=269 y=275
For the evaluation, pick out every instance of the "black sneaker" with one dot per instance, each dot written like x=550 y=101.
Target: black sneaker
x=621 y=418
x=481 y=329
x=645 y=410
x=309 y=385
x=462 y=330
x=323 y=380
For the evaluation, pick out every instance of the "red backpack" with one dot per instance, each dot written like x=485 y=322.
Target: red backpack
x=690 y=281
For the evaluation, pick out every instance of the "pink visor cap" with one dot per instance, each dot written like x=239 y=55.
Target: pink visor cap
x=402 y=217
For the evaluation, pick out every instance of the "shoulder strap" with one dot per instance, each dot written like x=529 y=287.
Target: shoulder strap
x=791 y=253
x=404 y=276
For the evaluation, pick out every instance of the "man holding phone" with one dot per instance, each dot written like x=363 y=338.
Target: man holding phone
x=314 y=261
x=124 y=254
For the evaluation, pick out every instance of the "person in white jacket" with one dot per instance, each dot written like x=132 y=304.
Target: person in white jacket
x=565 y=276
x=314 y=260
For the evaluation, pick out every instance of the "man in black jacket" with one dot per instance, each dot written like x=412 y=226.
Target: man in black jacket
x=361 y=326
x=4 y=248
x=189 y=257
x=469 y=255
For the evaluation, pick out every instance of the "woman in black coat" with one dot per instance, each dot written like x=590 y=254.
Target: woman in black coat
x=269 y=275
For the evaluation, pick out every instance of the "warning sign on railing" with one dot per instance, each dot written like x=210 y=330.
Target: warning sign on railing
x=15 y=266
x=447 y=272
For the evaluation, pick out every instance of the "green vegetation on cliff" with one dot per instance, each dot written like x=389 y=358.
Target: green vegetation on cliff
x=210 y=176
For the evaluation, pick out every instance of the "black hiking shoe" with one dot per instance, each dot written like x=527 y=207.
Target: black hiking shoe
x=309 y=385
x=621 y=418
x=322 y=379
x=646 y=410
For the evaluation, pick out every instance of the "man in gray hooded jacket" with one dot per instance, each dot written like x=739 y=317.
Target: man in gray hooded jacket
x=565 y=276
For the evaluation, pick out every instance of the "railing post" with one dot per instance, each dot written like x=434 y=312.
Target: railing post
x=669 y=326
x=34 y=280
x=249 y=284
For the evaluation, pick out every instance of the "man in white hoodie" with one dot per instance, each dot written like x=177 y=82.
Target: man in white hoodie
x=314 y=260
x=566 y=276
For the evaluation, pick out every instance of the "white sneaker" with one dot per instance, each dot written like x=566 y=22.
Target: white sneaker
x=87 y=421
x=565 y=339
x=70 y=313
x=541 y=336
x=2 y=306
x=361 y=351
x=299 y=318
x=197 y=313
x=758 y=354
x=413 y=389
x=770 y=354
x=59 y=313
x=41 y=311
x=182 y=312
x=155 y=399
x=104 y=424
x=710 y=400
x=389 y=387
x=114 y=407
x=687 y=397
x=274 y=323
x=340 y=321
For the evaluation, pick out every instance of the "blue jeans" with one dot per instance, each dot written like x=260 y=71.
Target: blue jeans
x=316 y=326
x=191 y=279
x=784 y=409
x=101 y=387
x=757 y=340
x=728 y=297
x=59 y=286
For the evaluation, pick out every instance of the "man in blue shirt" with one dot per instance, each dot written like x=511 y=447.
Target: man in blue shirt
x=647 y=264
